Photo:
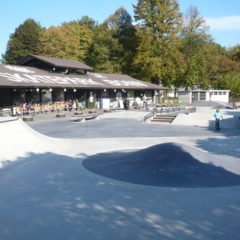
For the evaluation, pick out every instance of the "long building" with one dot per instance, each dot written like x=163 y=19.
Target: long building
x=44 y=80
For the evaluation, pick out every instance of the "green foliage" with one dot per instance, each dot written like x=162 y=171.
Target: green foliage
x=69 y=41
x=114 y=44
x=195 y=47
x=157 y=40
x=230 y=81
x=234 y=53
x=124 y=35
x=102 y=54
x=159 y=18
x=87 y=21
x=23 y=41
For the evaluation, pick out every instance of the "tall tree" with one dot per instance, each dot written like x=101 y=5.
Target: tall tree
x=103 y=52
x=123 y=31
x=23 y=41
x=195 y=47
x=157 y=30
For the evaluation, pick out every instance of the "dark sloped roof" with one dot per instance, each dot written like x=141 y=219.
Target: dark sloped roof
x=23 y=76
x=56 y=62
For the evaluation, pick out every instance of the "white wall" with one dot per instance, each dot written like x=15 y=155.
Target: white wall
x=211 y=95
x=220 y=95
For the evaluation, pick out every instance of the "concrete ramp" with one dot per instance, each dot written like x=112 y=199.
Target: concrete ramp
x=17 y=139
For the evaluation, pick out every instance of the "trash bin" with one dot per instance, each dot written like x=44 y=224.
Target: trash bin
x=126 y=104
x=234 y=105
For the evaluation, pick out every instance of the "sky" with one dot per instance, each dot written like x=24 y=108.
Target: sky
x=223 y=17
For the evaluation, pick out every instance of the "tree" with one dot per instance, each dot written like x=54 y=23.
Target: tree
x=225 y=69
x=87 y=21
x=234 y=53
x=195 y=47
x=102 y=54
x=194 y=32
x=157 y=34
x=23 y=41
x=230 y=81
x=69 y=41
x=123 y=31
x=120 y=22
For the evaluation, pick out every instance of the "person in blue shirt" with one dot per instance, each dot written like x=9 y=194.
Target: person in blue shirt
x=218 y=116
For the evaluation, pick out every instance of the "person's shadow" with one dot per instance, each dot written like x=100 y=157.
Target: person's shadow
x=166 y=165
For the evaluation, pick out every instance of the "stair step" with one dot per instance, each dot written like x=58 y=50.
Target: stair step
x=163 y=118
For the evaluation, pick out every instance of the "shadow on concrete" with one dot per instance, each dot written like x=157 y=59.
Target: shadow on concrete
x=229 y=125
x=50 y=196
x=221 y=146
x=227 y=138
x=166 y=165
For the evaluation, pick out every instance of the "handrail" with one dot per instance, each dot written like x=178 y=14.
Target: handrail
x=151 y=114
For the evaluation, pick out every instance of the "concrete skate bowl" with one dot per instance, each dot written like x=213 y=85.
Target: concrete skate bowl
x=166 y=165
x=17 y=139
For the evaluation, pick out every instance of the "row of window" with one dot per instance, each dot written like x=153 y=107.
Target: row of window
x=219 y=93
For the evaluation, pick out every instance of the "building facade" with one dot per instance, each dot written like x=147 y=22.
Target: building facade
x=39 y=80
x=189 y=97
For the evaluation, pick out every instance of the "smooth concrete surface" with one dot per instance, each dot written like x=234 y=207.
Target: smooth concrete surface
x=120 y=178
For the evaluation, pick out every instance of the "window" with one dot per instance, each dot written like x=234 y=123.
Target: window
x=220 y=93
x=202 y=95
x=224 y=93
x=215 y=93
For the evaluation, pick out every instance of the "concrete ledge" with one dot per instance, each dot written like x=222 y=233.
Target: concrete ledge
x=78 y=113
x=28 y=119
x=60 y=115
x=92 y=111
x=107 y=110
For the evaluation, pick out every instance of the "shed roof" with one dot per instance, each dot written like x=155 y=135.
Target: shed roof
x=55 y=62
x=23 y=76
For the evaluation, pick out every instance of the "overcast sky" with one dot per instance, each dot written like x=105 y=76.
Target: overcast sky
x=223 y=17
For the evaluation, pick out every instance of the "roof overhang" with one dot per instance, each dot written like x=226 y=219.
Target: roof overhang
x=29 y=77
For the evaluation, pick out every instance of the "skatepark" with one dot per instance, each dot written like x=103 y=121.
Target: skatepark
x=118 y=177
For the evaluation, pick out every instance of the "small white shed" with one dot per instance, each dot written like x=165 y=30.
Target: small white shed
x=189 y=97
